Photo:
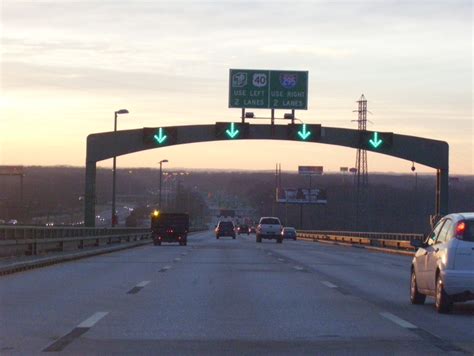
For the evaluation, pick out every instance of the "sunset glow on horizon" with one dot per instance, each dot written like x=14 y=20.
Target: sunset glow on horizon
x=66 y=66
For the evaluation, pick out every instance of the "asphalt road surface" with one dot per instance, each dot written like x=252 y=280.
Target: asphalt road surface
x=219 y=297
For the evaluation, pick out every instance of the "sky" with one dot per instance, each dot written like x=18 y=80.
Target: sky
x=66 y=66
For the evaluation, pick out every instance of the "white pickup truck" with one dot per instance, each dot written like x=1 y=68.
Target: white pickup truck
x=269 y=228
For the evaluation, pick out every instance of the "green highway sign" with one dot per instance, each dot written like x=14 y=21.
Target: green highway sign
x=268 y=89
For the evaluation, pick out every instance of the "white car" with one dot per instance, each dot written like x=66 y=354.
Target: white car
x=269 y=228
x=443 y=266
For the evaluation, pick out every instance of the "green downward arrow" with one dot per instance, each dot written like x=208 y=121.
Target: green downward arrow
x=233 y=131
x=304 y=134
x=160 y=138
x=375 y=142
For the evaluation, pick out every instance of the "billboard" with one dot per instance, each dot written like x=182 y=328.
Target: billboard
x=310 y=170
x=301 y=196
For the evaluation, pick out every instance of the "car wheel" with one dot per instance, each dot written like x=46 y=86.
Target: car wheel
x=185 y=243
x=159 y=243
x=443 y=303
x=217 y=237
x=259 y=239
x=415 y=296
x=233 y=237
x=279 y=241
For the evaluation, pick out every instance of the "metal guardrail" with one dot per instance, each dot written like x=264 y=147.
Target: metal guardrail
x=369 y=235
x=34 y=240
x=376 y=239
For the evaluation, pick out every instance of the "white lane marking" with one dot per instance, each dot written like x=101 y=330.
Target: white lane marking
x=298 y=268
x=177 y=259
x=142 y=284
x=90 y=322
x=166 y=267
x=281 y=260
x=269 y=253
x=328 y=284
x=399 y=321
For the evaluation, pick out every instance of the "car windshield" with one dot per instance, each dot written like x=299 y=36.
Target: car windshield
x=270 y=221
x=289 y=229
x=226 y=224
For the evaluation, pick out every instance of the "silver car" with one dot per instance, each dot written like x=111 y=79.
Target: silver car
x=289 y=233
x=443 y=266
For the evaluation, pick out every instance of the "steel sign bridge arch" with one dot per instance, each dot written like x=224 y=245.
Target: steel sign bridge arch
x=101 y=146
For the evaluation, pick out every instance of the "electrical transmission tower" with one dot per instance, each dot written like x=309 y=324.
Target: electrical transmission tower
x=362 y=174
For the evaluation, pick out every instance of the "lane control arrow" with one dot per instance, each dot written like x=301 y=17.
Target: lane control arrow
x=160 y=138
x=233 y=131
x=375 y=142
x=304 y=134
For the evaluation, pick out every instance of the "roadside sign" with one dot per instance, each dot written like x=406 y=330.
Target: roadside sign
x=344 y=169
x=268 y=89
x=310 y=170
x=11 y=170
x=301 y=196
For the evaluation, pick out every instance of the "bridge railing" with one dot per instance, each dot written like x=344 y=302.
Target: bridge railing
x=398 y=241
x=34 y=240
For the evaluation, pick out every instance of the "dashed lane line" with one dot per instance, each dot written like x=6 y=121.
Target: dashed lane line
x=164 y=269
x=329 y=284
x=79 y=330
x=399 y=321
x=138 y=287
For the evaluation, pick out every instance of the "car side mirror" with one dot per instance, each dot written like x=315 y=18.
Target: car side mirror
x=417 y=243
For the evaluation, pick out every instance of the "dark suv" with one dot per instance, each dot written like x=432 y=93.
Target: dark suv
x=225 y=228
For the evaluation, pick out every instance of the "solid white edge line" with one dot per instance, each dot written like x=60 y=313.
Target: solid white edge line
x=399 y=321
x=92 y=320
x=298 y=268
x=142 y=284
x=328 y=284
x=166 y=267
x=177 y=259
x=281 y=260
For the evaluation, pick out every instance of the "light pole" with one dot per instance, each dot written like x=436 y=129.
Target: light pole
x=119 y=112
x=161 y=176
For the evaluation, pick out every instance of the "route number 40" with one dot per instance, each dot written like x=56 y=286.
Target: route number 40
x=259 y=80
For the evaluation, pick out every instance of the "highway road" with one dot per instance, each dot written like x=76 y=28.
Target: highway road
x=227 y=297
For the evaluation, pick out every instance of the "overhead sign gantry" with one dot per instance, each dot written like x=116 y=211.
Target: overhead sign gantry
x=266 y=89
x=424 y=151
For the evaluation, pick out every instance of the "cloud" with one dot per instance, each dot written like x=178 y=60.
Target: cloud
x=307 y=50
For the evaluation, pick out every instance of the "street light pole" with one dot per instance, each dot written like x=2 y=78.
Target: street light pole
x=161 y=178
x=114 y=166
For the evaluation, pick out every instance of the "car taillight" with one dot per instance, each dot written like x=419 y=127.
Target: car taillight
x=460 y=228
